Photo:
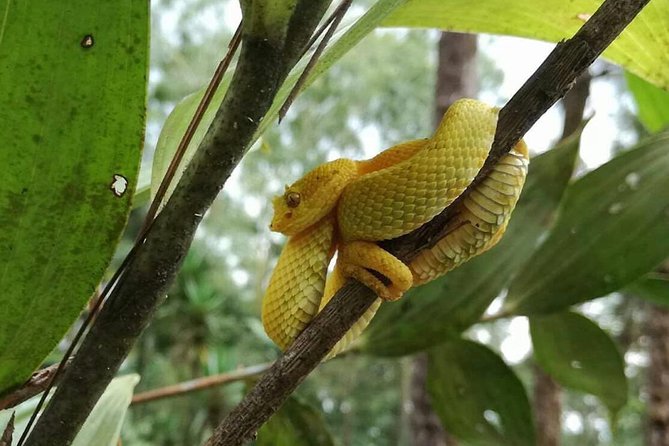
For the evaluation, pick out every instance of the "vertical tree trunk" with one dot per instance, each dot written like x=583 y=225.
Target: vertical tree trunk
x=456 y=78
x=547 y=406
x=425 y=426
x=547 y=409
x=657 y=428
x=456 y=71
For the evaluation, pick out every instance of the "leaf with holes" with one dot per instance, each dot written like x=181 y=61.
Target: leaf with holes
x=72 y=107
x=613 y=227
x=443 y=308
x=581 y=356
x=477 y=396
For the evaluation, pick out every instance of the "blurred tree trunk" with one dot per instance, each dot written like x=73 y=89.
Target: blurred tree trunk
x=657 y=428
x=456 y=71
x=425 y=426
x=547 y=409
x=547 y=406
x=456 y=78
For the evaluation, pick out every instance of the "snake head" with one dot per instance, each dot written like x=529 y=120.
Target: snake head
x=312 y=197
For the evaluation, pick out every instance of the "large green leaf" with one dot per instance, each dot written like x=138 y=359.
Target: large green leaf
x=477 y=396
x=652 y=102
x=72 y=102
x=580 y=356
x=295 y=424
x=613 y=228
x=653 y=287
x=642 y=48
x=103 y=425
x=441 y=309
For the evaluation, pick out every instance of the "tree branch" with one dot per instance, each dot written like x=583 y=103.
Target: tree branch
x=548 y=84
x=263 y=65
x=194 y=385
x=35 y=385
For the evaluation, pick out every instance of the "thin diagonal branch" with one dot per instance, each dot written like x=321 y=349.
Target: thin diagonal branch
x=37 y=383
x=548 y=84
x=331 y=25
x=194 y=385
x=207 y=97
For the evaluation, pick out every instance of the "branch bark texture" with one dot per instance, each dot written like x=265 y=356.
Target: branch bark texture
x=37 y=383
x=262 y=67
x=657 y=424
x=548 y=84
x=657 y=412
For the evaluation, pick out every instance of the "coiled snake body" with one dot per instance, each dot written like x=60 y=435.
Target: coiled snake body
x=347 y=206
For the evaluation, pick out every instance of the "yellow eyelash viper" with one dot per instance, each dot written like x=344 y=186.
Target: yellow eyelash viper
x=346 y=206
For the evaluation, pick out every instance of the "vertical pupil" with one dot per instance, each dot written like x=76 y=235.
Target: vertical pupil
x=293 y=199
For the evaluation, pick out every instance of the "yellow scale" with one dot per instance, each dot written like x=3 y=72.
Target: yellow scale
x=347 y=206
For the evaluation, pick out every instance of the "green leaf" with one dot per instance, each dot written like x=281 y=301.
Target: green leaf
x=72 y=106
x=652 y=102
x=172 y=132
x=642 y=48
x=581 y=356
x=439 y=310
x=477 y=396
x=612 y=229
x=180 y=117
x=295 y=424
x=652 y=287
x=103 y=425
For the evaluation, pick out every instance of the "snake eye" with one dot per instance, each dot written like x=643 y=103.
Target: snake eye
x=293 y=199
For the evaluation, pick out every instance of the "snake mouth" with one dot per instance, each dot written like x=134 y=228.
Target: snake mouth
x=281 y=224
